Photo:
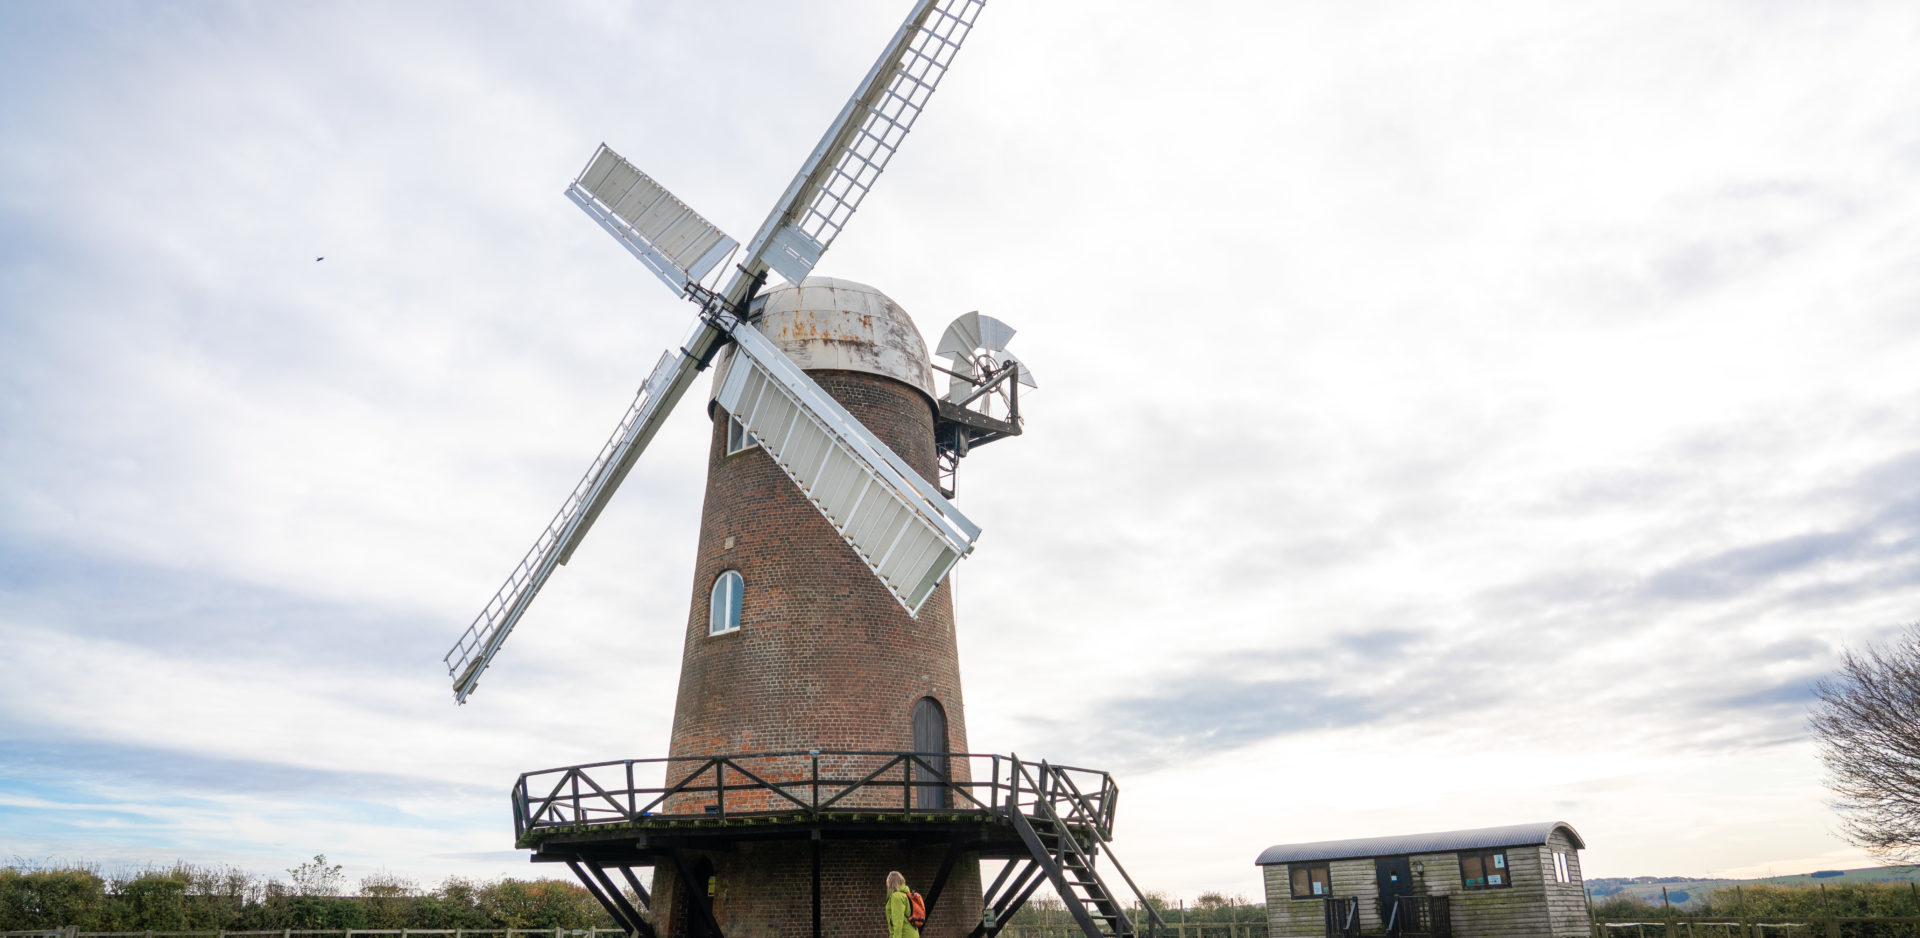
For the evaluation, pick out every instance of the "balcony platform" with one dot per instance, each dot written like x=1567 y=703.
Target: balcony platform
x=1051 y=823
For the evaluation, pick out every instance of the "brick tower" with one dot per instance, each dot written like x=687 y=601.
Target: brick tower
x=793 y=645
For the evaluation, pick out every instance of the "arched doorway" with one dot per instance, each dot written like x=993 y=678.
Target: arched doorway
x=930 y=736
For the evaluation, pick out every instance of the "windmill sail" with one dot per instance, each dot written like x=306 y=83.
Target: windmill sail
x=971 y=331
x=902 y=528
x=671 y=239
x=477 y=646
x=898 y=523
x=860 y=142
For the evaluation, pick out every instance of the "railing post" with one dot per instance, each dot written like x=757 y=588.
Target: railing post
x=814 y=754
x=906 y=784
x=630 y=802
x=993 y=792
x=719 y=787
x=1013 y=784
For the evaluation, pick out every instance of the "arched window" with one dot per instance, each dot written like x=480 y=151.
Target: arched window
x=724 y=607
x=930 y=736
x=738 y=439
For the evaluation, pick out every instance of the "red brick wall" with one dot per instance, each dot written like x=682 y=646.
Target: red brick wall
x=765 y=890
x=825 y=658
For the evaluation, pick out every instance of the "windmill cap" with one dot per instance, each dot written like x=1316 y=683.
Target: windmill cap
x=828 y=324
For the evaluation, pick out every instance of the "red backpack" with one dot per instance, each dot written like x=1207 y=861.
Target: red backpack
x=916 y=910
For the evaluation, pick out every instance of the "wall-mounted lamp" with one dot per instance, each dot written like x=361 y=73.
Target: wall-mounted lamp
x=1419 y=868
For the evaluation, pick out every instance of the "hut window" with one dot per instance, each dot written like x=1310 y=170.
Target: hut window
x=723 y=616
x=738 y=439
x=1562 y=872
x=1484 y=869
x=1310 y=881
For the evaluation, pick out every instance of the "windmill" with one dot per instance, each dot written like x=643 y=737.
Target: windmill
x=903 y=528
x=819 y=724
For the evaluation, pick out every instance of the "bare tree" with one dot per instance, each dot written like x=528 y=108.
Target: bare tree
x=317 y=878
x=1867 y=723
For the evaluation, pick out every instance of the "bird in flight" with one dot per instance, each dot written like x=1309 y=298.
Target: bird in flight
x=318 y=259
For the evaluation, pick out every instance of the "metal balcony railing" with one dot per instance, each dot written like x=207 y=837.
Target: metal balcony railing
x=804 y=785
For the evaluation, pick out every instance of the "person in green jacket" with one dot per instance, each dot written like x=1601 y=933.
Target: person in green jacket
x=897 y=908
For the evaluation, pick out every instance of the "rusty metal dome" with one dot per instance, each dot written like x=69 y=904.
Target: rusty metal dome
x=829 y=324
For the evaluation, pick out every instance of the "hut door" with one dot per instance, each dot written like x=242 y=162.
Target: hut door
x=930 y=736
x=1394 y=875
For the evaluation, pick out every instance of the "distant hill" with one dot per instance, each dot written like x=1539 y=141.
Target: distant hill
x=1688 y=891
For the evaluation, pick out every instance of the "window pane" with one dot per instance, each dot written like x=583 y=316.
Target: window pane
x=724 y=603
x=1310 y=881
x=738 y=438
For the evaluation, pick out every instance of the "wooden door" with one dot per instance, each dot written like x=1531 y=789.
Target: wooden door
x=1394 y=877
x=930 y=736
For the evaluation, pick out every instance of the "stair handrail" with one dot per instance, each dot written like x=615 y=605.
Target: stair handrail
x=1067 y=837
x=1083 y=806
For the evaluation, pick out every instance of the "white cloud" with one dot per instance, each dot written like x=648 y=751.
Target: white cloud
x=1545 y=367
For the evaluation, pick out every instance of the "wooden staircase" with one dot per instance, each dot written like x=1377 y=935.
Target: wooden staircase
x=1064 y=849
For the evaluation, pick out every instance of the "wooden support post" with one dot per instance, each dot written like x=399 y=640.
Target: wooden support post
x=932 y=896
x=817 y=845
x=702 y=903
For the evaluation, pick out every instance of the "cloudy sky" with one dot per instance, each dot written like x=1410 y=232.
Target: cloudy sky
x=1450 y=415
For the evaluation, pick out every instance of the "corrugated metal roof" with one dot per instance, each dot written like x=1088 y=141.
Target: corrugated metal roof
x=1513 y=835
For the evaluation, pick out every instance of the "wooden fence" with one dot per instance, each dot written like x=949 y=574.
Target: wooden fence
x=1703 y=926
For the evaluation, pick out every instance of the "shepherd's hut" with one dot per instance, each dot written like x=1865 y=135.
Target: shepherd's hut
x=1520 y=881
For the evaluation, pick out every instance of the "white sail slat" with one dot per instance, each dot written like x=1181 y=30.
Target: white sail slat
x=482 y=640
x=899 y=525
x=856 y=148
x=672 y=240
